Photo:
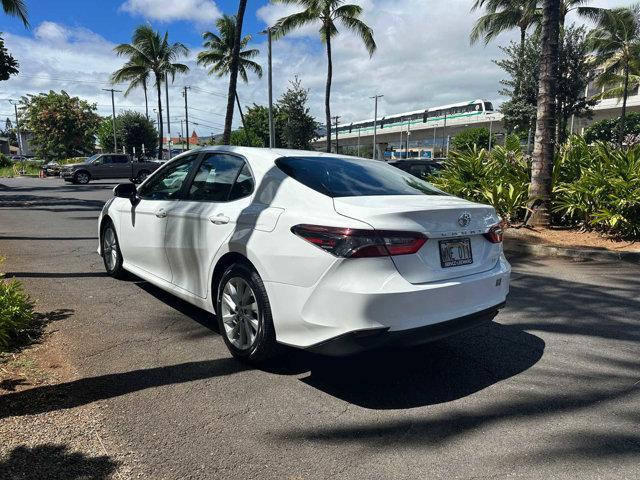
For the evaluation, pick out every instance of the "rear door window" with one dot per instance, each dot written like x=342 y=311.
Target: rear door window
x=346 y=177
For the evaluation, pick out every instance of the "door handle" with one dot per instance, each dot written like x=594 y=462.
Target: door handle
x=161 y=213
x=219 y=219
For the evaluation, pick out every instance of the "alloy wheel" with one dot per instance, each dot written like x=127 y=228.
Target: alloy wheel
x=240 y=313
x=109 y=248
x=83 y=178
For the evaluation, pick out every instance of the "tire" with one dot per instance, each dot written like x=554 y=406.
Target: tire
x=82 y=177
x=111 y=254
x=237 y=325
x=142 y=176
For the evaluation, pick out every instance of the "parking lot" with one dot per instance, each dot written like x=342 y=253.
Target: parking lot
x=550 y=389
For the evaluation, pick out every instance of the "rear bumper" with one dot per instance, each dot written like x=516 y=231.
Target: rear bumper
x=359 y=341
x=370 y=296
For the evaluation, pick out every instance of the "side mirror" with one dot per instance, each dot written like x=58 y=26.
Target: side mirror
x=126 y=190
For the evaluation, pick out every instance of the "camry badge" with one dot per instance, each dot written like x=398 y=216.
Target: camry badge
x=464 y=219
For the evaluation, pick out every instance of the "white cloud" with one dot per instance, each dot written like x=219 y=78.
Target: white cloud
x=199 y=11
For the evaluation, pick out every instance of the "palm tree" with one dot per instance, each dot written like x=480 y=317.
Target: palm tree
x=328 y=13
x=16 y=8
x=615 y=43
x=543 y=149
x=232 y=94
x=504 y=15
x=137 y=73
x=219 y=50
x=158 y=56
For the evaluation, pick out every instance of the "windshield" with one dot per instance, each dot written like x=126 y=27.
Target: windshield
x=92 y=158
x=342 y=177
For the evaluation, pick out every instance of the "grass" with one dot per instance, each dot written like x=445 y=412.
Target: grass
x=14 y=171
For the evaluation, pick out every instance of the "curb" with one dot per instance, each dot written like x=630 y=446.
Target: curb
x=576 y=254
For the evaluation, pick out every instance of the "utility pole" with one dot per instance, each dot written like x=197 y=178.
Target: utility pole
x=186 y=114
x=358 y=141
x=336 y=118
x=272 y=131
x=15 y=107
x=113 y=116
x=166 y=90
x=375 y=125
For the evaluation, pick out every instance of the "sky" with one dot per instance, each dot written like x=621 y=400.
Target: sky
x=424 y=58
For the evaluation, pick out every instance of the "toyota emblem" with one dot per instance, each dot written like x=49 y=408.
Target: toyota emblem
x=464 y=219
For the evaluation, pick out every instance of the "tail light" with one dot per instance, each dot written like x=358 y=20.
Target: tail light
x=495 y=233
x=354 y=243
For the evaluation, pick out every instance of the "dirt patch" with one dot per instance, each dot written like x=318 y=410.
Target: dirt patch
x=571 y=238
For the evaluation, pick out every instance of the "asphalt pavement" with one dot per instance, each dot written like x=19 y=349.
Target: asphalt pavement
x=551 y=389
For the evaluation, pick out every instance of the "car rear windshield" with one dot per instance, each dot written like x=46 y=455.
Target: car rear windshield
x=342 y=177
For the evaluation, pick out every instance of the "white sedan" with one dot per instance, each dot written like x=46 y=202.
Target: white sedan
x=324 y=252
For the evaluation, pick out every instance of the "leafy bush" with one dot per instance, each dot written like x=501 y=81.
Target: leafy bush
x=5 y=161
x=500 y=178
x=598 y=187
x=607 y=130
x=16 y=310
x=473 y=137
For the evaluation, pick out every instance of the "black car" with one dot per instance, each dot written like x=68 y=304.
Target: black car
x=417 y=168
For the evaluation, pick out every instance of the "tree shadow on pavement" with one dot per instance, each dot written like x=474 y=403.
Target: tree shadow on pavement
x=54 y=462
x=87 y=390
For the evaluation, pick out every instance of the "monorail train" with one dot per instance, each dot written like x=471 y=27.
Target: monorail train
x=455 y=110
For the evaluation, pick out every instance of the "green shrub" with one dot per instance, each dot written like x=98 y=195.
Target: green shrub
x=16 y=310
x=607 y=130
x=473 y=137
x=598 y=187
x=499 y=178
x=5 y=161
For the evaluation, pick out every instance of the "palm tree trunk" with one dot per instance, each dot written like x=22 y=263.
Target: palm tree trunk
x=327 y=93
x=625 y=93
x=543 y=151
x=160 y=132
x=233 y=73
x=146 y=100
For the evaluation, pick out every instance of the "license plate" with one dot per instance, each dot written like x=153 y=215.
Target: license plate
x=454 y=253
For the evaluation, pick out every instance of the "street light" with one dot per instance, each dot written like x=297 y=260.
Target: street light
x=375 y=125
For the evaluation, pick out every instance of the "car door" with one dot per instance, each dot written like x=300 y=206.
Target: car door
x=143 y=225
x=120 y=167
x=205 y=218
x=100 y=167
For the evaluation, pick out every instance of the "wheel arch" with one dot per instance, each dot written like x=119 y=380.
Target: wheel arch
x=221 y=265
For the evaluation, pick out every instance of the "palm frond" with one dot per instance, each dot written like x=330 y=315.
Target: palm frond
x=17 y=8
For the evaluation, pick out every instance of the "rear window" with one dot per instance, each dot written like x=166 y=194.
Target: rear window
x=341 y=177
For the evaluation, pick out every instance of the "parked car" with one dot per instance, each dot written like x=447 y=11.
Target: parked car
x=417 y=168
x=107 y=165
x=328 y=253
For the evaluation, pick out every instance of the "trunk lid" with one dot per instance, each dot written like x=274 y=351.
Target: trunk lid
x=441 y=218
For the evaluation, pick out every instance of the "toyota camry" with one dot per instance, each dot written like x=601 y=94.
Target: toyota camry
x=323 y=252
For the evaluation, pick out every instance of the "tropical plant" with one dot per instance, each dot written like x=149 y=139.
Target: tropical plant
x=598 y=187
x=16 y=310
x=137 y=72
x=616 y=44
x=5 y=161
x=232 y=94
x=16 y=8
x=504 y=15
x=61 y=126
x=153 y=52
x=499 y=178
x=329 y=14
x=219 y=51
